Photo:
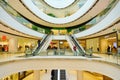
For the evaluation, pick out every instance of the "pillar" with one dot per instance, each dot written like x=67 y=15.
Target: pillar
x=58 y=74
x=118 y=38
x=13 y=45
x=36 y=75
x=79 y=75
x=15 y=76
x=106 y=78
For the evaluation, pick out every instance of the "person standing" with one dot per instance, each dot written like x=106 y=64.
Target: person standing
x=109 y=50
x=98 y=49
x=75 y=50
x=38 y=43
x=91 y=51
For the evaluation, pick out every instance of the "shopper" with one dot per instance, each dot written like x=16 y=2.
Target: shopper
x=91 y=51
x=98 y=49
x=38 y=43
x=114 y=50
x=109 y=50
x=75 y=50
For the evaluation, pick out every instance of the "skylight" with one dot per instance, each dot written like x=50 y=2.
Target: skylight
x=59 y=3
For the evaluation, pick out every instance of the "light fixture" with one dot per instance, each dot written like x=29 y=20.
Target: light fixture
x=61 y=42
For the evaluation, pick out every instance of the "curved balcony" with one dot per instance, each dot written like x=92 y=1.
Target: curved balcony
x=21 y=19
x=13 y=18
x=66 y=7
x=98 y=65
x=96 y=19
x=90 y=14
x=47 y=18
x=110 y=18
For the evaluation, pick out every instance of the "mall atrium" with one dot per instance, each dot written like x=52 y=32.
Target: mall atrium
x=59 y=39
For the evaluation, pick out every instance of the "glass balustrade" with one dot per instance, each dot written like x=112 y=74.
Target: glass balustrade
x=113 y=58
x=97 y=19
x=62 y=53
x=53 y=12
x=13 y=13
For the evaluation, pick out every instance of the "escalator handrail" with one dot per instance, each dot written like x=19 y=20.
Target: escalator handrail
x=38 y=47
x=43 y=43
x=77 y=45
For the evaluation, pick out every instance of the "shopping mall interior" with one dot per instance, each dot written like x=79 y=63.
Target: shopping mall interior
x=59 y=39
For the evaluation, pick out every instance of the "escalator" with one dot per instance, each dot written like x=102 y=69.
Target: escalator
x=80 y=49
x=54 y=74
x=62 y=75
x=37 y=50
x=58 y=74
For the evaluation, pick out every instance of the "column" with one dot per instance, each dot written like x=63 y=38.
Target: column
x=13 y=45
x=118 y=38
x=15 y=76
x=79 y=75
x=106 y=78
x=58 y=74
x=36 y=75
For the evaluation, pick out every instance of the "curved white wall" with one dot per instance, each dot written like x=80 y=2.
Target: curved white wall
x=106 y=22
x=10 y=21
x=37 y=63
x=50 y=19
